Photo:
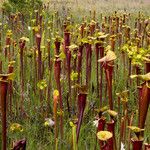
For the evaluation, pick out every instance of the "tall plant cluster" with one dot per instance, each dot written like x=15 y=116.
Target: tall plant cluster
x=13 y=6
x=60 y=76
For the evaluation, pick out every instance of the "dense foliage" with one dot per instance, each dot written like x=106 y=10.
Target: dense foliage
x=22 y=6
